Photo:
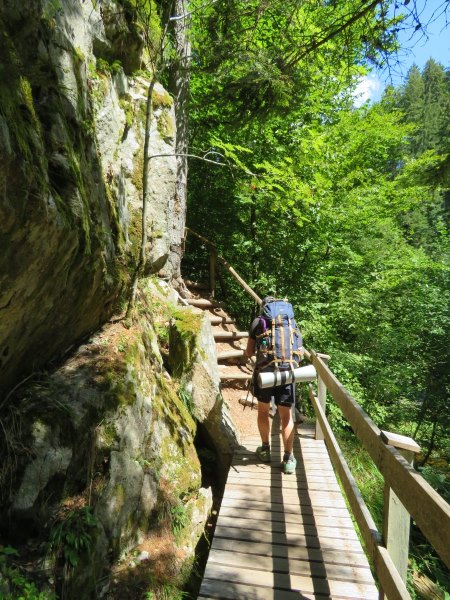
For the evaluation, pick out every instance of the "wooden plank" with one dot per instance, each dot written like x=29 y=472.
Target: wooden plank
x=337 y=572
x=280 y=494
x=424 y=504
x=267 y=514
x=287 y=539
x=322 y=555
x=297 y=583
x=296 y=483
x=402 y=442
x=194 y=285
x=202 y=303
x=255 y=466
x=230 y=354
x=237 y=591
x=239 y=279
x=276 y=453
x=287 y=508
x=276 y=476
x=230 y=335
x=218 y=320
x=293 y=528
x=237 y=376
x=308 y=500
x=308 y=453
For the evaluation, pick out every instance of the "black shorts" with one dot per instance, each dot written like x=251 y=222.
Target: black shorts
x=283 y=394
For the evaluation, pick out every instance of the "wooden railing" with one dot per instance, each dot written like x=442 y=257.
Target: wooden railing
x=214 y=260
x=406 y=493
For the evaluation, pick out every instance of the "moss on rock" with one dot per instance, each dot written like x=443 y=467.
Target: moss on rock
x=166 y=125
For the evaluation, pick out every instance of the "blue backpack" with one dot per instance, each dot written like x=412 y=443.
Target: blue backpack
x=279 y=342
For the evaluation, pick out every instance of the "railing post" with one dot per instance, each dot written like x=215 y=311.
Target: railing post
x=212 y=271
x=397 y=521
x=321 y=396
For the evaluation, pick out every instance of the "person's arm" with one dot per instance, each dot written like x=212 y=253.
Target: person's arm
x=251 y=341
x=250 y=350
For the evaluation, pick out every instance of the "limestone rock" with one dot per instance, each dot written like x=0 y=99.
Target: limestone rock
x=71 y=157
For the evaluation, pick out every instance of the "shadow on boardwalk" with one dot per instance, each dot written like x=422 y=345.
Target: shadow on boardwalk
x=282 y=537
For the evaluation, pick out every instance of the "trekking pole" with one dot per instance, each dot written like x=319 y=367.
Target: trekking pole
x=249 y=388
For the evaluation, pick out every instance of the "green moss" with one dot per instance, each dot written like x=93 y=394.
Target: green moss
x=138 y=171
x=109 y=434
x=79 y=55
x=17 y=108
x=27 y=95
x=161 y=99
x=183 y=339
x=165 y=125
x=119 y=495
x=98 y=84
x=86 y=223
x=188 y=323
x=127 y=106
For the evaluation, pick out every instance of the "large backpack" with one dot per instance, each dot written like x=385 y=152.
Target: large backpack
x=278 y=338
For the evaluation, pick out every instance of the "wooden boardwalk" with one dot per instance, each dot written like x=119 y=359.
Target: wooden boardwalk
x=283 y=537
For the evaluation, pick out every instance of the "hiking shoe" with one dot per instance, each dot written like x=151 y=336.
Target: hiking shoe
x=263 y=453
x=288 y=466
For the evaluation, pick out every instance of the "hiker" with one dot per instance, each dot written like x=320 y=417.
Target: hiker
x=284 y=395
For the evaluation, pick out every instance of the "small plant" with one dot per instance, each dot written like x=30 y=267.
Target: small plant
x=106 y=68
x=186 y=397
x=13 y=584
x=73 y=537
x=179 y=519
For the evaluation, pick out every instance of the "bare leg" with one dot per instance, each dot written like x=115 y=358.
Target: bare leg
x=287 y=427
x=263 y=421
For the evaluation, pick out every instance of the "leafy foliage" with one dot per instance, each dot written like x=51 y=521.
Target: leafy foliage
x=73 y=537
x=13 y=583
x=345 y=211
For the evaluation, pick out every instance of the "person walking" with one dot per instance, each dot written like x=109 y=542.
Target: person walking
x=284 y=395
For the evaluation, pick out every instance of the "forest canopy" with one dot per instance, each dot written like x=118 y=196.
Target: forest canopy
x=344 y=210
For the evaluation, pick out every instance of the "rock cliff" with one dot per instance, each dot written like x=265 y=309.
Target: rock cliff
x=72 y=108
x=102 y=487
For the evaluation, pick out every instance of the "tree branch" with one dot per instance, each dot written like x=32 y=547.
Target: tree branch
x=318 y=43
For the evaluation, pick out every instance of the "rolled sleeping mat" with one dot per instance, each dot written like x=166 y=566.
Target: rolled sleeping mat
x=273 y=378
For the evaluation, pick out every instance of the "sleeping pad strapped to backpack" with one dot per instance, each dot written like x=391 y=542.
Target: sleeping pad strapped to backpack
x=279 y=342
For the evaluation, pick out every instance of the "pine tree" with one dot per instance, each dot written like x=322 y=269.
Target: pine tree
x=412 y=103
x=435 y=105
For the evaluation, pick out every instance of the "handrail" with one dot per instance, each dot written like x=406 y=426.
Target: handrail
x=424 y=504
x=414 y=496
x=216 y=257
x=419 y=499
x=384 y=567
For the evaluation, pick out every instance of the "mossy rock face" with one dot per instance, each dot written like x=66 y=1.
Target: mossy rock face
x=166 y=125
x=184 y=332
x=70 y=202
x=114 y=430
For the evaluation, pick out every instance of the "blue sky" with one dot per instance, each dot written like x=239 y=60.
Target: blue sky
x=432 y=41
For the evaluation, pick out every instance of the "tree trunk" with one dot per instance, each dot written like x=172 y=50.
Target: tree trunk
x=179 y=86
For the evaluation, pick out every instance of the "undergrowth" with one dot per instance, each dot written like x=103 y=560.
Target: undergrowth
x=14 y=584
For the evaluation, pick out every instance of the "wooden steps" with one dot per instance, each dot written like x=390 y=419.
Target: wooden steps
x=202 y=303
x=230 y=343
x=235 y=377
x=230 y=354
x=218 y=320
x=230 y=335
